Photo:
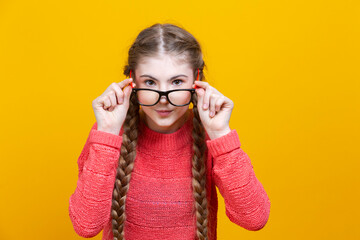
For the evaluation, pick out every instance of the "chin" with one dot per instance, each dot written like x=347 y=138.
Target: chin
x=165 y=123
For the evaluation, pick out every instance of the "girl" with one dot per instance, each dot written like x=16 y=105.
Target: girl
x=150 y=164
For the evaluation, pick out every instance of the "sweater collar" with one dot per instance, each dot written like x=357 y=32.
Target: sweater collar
x=151 y=139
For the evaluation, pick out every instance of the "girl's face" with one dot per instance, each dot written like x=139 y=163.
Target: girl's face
x=164 y=73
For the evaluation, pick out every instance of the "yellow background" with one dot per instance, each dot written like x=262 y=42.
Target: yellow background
x=291 y=68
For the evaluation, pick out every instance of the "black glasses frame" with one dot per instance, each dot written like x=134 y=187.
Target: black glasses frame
x=161 y=93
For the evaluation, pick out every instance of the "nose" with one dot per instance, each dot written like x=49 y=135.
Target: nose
x=163 y=100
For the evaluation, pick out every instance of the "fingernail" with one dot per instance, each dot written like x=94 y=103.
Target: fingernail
x=205 y=106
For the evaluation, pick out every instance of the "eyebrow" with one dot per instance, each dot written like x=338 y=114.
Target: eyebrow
x=181 y=75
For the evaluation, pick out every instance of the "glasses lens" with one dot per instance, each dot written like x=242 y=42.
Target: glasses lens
x=180 y=97
x=147 y=97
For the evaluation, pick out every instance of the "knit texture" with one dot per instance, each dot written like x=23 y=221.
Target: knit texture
x=160 y=203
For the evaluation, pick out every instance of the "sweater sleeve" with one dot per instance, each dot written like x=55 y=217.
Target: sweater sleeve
x=90 y=204
x=246 y=202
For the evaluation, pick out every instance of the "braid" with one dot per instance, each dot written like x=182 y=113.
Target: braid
x=199 y=174
x=125 y=167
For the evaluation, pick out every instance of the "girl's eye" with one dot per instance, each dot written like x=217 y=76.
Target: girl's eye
x=149 y=82
x=178 y=81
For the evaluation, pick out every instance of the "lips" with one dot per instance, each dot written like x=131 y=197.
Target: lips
x=163 y=112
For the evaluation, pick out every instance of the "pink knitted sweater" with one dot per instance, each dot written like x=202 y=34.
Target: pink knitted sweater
x=159 y=202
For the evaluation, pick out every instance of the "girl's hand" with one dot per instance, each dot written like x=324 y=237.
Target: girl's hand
x=214 y=109
x=111 y=107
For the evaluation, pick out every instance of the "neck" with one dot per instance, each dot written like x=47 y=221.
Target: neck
x=155 y=141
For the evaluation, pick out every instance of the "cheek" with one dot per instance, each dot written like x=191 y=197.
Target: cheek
x=146 y=110
x=182 y=110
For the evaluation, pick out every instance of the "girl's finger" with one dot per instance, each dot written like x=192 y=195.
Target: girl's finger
x=209 y=90
x=213 y=99
x=206 y=99
x=107 y=102
x=127 y=93
x=201 y=84
x=219 y=103
x=200 y=97
x=112 y=97
x=123 y=83
x=119 y=93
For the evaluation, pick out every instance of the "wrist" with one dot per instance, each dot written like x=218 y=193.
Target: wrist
x=112 y=131
x=219 y=133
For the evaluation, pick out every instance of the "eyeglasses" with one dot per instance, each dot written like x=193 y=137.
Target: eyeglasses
x=176 y=97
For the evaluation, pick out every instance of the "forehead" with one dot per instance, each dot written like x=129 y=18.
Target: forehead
x=163 y=65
